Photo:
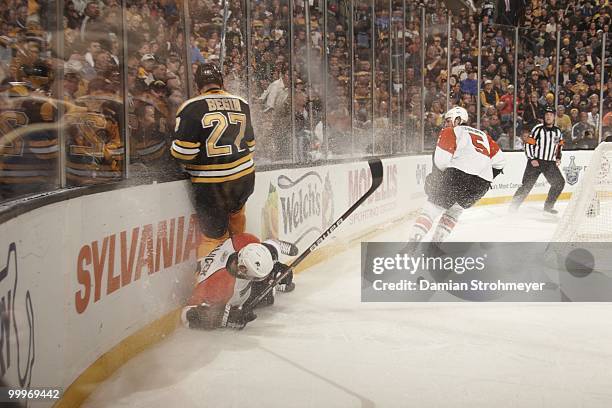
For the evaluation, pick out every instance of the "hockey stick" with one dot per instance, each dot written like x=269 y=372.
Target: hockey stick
x=376 y=169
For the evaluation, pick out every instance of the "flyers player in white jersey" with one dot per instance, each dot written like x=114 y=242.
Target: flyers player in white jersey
x=465 y=162
x=236 y=270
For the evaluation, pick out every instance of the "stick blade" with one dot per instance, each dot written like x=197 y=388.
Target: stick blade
x=376 y=169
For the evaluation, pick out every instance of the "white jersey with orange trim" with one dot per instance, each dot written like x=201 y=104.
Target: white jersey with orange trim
x=216 y=286
x=469 y=150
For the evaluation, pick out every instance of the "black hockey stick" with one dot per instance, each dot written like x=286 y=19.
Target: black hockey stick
x=376 y=169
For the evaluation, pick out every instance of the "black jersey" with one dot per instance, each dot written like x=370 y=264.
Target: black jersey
x=94 y=147
x=28 y=141
x=214 y=138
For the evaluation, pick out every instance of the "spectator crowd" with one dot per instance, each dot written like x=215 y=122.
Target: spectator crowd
x=394 y=73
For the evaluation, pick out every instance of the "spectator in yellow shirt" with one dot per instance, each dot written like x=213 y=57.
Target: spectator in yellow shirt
x=563 y=121
x=488 y=96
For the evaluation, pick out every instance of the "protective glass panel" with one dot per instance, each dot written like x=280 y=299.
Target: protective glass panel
x=536 y=77
x=157 y=82
x=312 y=141
x=30 y=101
x=606 y=114
x=270 y=78
x=497 y=87
x=338 y=87
x=234 y=54
x=363 y=135
x=413 y=79
x=382 y=78
x=93 y=89
x=579 y=88
x=397 y=91
x=464 y=64
x=436 y=74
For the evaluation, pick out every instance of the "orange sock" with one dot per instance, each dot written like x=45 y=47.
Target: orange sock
x=237 y=222
x=207 y=244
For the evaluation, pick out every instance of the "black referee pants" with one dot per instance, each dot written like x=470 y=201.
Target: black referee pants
x=530 y=176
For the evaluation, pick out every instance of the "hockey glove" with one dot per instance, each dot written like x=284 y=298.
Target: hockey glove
x=286 y=284
x=258 y=287
x=202 y=316
x=236 y=318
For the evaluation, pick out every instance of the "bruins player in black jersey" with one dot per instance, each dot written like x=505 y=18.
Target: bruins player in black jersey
x=214 y=139
x=28 y=140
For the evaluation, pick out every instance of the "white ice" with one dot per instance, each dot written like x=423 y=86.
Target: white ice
x=321 y=347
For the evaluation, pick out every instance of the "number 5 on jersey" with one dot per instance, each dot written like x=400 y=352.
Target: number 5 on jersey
x=481 y=144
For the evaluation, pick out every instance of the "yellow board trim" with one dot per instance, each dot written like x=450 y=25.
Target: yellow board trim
x=113 y=359
x=222 y=179
x=221 y=166
x=182 y=156
x=187 y=145
x=507 y=199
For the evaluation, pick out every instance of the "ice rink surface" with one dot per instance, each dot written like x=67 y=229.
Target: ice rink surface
x=321 y=347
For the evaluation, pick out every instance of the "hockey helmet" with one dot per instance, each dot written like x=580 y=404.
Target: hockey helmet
x=255 y=262
x=457 y=112
x=208 y=73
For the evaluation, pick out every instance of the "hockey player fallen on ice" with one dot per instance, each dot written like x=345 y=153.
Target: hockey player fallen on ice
x=238 y=269
x=465 y=162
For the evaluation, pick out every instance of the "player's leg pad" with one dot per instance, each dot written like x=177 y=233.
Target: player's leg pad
x=424 y=221
x=447 y=223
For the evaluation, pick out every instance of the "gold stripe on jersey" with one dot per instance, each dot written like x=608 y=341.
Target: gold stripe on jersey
x=184 y=150
x=178 y=155
x=221 y=166
x=222 y=179
x=221 y=173
x=43 y=143
x=250 y=143
x=187 y=145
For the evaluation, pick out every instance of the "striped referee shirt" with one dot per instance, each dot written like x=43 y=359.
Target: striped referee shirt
x=544 y=143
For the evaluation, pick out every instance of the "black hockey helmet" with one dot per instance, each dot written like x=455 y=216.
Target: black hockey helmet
x=208 y=73
x=550 y=109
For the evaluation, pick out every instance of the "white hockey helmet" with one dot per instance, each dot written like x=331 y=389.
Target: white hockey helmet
x=457 y=112
x=255 y=261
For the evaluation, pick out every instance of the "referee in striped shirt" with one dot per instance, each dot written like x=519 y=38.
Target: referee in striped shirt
x=543 y=150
